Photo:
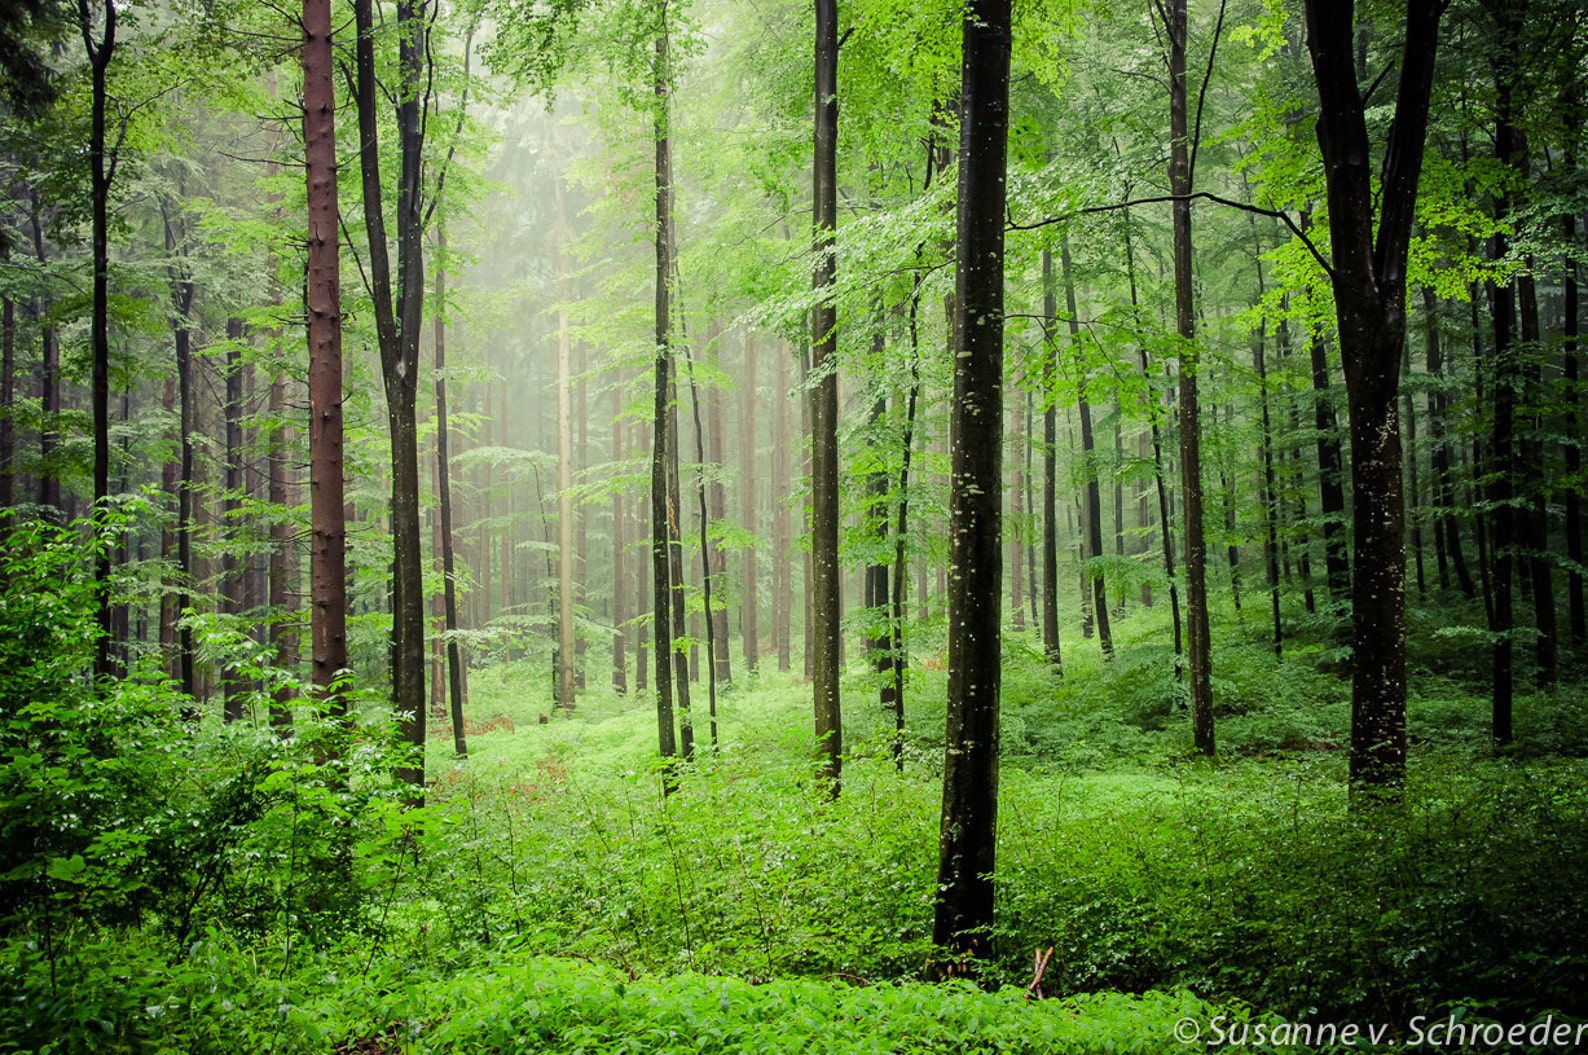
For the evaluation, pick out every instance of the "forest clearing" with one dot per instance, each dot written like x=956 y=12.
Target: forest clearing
x=689 y=525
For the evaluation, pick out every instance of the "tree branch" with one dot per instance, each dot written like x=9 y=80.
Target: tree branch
x=1092 y=210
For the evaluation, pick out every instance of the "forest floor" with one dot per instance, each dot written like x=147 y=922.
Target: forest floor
x=557 y=899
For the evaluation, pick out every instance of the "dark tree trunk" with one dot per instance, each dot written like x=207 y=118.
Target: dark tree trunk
x=1369 y=280
x=449 y=588
x=327 y=554
x=1050 y=470
x=1447 y=529
x=398 y=323
x=1158 y=475
x=661 y=536
x=1093 y=577
x=102 y=170
x=1573 y=445
x=8 y=327
x=826 y=601
x=233 y=567
x=968 y=838
x=715 y=642
x=1331 y=479
x=1197 y=637
x=1270 y=497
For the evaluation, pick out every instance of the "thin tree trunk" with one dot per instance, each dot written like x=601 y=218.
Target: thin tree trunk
x=1573 y=447
x=232 y=567
x=1180 y=182
x=1050 y=500
x=661 y=535
x=398 y=323
x=1094 y=580
x=567 y=685
x=449 y=574
x=826 y=600
x=707 y=558
x=102 y=170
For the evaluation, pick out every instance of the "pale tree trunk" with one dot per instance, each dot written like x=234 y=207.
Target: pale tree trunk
x=567 y=685
x=782 y=516
x=749 y=625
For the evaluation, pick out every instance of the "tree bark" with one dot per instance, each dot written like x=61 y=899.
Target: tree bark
x=449 y=587
x=661 y=535
x=327 y=555
x=1050 y=470
x=1093 y=498
x=1368 y=273
x=398 y=323
x=825 y=593
x=968 y=837
x=102 y=171
x=1198 y=650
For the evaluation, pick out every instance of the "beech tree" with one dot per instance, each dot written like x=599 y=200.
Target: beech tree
x=967 y=843
x=1369 y=238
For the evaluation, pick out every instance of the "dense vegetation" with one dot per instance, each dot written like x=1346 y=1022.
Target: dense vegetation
x=505 y=547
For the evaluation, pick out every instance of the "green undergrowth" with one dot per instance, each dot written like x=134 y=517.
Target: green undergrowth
x=224 y=999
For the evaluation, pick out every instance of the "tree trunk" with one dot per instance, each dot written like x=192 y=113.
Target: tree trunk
x=826 y=601
x=1369 y=280
x=398 y=323
x=327 y=562
x=1097 y=589
x=449 y=579
x=102 y=170
x=1050 y=470
x=1573 y=446
x=661 y=536
x=968 y=838
x=1197 y=642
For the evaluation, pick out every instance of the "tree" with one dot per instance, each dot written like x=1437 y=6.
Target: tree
x=327 y=567
x=1368 y=253
x=823 y=388
x=398 y=325
x=1181 y=172
x=967 y=842
x=102 y=159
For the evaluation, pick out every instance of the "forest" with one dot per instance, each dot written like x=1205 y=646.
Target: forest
x=617 y=526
